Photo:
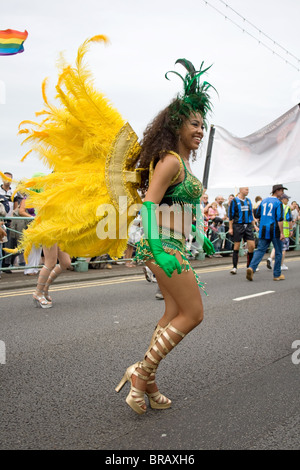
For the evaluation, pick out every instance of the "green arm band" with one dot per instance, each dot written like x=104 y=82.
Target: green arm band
x=167 y=262
x=208 y=247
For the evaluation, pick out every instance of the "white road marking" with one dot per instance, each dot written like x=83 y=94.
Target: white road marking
x=254 y=295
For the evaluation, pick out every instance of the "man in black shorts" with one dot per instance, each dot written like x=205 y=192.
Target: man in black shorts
x=241 y=225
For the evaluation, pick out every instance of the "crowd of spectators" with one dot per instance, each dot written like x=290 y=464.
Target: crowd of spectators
x=216 y=221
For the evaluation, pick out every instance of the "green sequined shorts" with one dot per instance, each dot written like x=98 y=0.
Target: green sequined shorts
x=171 y=242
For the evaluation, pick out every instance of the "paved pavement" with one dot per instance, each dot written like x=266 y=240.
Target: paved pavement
x=17 y=279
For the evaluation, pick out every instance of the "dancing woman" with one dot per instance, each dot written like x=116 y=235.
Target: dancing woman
x=170 y=142
x=88 y=136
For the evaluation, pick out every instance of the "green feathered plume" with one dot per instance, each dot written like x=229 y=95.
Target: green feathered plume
x=195 y=97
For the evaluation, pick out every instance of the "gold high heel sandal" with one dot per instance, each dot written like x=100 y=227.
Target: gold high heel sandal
x=39 y=297
x=135 y=398
x=52 y=276
x=157 y=400
x=40 y=301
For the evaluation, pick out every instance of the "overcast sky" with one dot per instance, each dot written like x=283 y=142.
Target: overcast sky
x=146 y=37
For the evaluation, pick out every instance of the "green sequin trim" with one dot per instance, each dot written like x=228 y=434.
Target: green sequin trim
x=170 y=245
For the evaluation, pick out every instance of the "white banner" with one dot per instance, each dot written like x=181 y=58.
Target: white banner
x=266 y=157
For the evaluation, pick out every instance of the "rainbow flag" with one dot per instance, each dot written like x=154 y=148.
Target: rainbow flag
x=11 y=42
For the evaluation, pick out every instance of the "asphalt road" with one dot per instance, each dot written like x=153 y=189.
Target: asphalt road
x=233 y=381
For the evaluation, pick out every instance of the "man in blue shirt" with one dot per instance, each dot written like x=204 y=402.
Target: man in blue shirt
x=287 y=232
x=241 y=225
x=270 y=213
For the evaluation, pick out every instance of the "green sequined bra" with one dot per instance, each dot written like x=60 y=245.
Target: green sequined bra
x=187 y=191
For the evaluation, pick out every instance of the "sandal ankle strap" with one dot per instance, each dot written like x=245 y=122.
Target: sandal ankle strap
x=147 y=367
x=172 y=328
x=138 y=374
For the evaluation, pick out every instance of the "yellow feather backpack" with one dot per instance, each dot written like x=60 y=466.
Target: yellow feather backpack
x=90 y=197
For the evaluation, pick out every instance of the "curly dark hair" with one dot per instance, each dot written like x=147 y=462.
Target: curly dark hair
x=160 y=136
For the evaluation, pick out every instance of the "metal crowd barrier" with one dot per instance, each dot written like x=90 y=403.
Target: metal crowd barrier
x=81 y=265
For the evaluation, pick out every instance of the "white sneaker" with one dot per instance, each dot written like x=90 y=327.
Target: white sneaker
x=233 y=271
x=284 y=267
x=269 y=263
x=257 y=269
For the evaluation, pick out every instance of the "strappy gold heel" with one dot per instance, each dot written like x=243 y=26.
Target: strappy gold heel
x=52 y=276
x=135 y=398
x=157 y=400
x=38 y=296
x=40 y=301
